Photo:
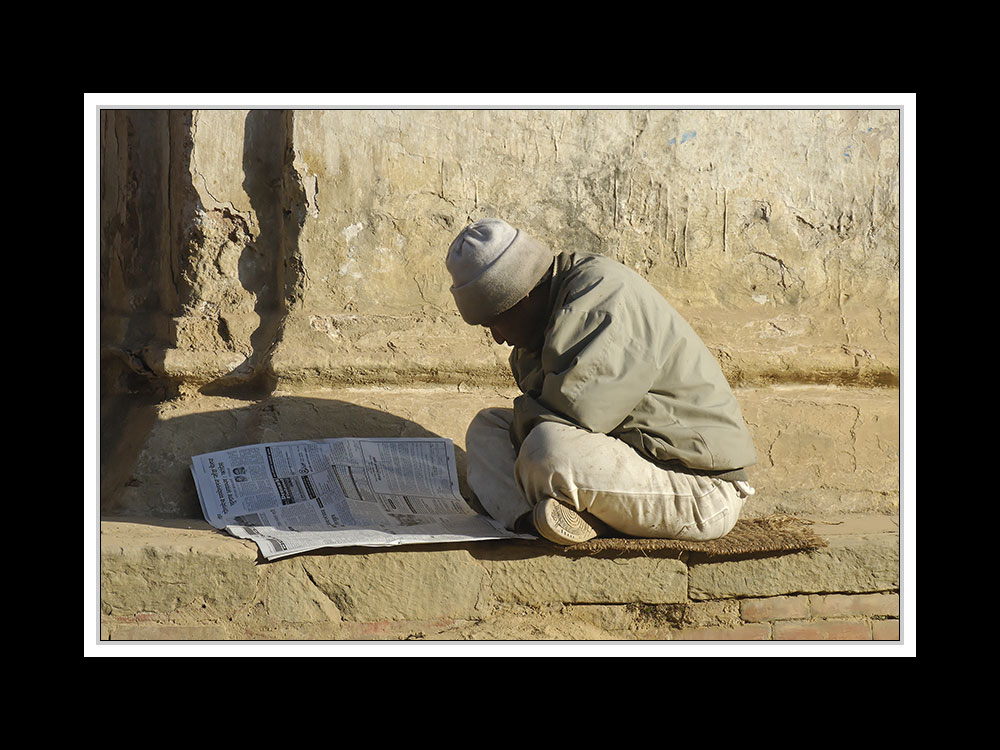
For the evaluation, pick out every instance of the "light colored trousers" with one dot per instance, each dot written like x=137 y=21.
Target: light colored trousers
x=595 y=473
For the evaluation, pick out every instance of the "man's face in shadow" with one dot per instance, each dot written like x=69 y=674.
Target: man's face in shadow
x=523 y=325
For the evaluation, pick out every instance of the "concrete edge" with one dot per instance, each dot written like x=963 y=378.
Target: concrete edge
x=181 y=579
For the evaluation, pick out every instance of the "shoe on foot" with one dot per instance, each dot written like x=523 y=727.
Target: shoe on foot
x=562 y=525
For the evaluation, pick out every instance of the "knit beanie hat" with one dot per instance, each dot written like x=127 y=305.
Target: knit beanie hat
x=493 y=267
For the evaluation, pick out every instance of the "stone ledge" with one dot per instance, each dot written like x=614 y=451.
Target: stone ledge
x=853 y=563
x=181 y=579
x=820 y=450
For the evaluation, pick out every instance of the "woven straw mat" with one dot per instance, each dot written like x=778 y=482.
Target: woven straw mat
x=771 y=534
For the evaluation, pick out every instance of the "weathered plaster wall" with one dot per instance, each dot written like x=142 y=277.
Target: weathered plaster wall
x=308 y=245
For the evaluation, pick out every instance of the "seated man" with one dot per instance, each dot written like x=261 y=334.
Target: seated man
x=626 y=420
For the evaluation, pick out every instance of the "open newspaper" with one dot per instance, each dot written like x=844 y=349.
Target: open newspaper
x=295 y=496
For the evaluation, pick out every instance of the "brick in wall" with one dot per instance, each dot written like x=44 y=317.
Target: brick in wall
x=840 y=605
x=750 y=632
x=885 y=630
x=823 y=630
x=775 y=608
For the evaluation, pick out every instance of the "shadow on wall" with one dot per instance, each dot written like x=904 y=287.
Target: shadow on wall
x=159 y=484
x=147 y=225
x=265 y=267
x=140 y=199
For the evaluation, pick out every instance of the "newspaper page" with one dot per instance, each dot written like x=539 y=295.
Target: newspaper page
x=295 y=496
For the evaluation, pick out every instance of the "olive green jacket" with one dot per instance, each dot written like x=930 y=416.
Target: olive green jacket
x=618 y=359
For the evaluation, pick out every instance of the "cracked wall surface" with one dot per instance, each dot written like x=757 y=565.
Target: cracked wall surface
x=308 y=246
x=776 y=231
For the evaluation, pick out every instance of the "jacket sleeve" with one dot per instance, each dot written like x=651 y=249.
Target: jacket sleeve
x=596 y=367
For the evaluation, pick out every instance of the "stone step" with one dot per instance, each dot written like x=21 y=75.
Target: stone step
x=182 y=580
x=821 y=450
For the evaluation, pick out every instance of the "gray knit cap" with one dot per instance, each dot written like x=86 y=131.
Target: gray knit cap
x=493 y=267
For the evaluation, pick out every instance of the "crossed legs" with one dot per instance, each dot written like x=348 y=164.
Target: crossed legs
x=594 y=473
